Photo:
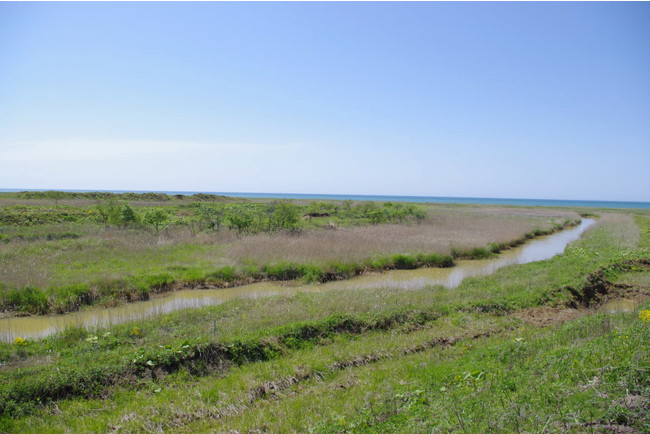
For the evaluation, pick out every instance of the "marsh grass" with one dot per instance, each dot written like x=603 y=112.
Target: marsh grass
x=74 y=264
x=444 y=231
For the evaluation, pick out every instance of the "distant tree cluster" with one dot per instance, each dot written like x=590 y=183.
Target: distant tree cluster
x=114 y=213
x=388 y=213
x=248 y=218
x=241 y=218
x=32 y=216
x=103 y=195
x=201 y=216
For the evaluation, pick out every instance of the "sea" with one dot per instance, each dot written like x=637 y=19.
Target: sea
x=383 y=198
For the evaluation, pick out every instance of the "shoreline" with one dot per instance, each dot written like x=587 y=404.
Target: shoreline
x=581 y=203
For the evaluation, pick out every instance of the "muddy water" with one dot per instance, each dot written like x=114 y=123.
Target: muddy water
x=619 y=305
x=536 y=250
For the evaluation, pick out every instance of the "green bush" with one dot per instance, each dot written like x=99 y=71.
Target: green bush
x=404 y=262
x=155 y=281
x=476 y=253
x=435 y=260
x=224 y=274
x=286 y=216
x=380 y=263
x=32 y=216
x=71 y=298
x=241 y=222
x=480 y=253
x=312 y=273
x=128 y=216
x=341 y=270
x=28 y=299
x=283 y=271
x=156 y=218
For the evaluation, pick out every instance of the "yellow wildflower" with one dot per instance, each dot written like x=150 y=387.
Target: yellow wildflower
x=20 y=341
x=644 y=315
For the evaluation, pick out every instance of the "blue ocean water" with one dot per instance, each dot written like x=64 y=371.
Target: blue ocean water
x=436 y=199
x=379 y=198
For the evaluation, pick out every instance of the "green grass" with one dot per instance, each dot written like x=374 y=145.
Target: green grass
x=643 y=222
x=576 y=377
x=497 y=374
x=366 y=361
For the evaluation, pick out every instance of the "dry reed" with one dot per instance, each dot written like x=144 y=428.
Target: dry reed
x=444 y=230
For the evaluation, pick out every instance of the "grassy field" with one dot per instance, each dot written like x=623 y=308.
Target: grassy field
x=525 y=349
x=61 y=251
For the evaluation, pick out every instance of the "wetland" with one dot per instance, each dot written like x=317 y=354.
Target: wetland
x=222 y=314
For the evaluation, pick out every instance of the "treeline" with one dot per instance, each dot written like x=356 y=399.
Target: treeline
x=38 y=215
x=244 y=218
x=198 y=217
x=251 y=218
x=388 y=212
x=103 y=195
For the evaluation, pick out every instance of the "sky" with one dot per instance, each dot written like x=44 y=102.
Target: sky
x=512 y=100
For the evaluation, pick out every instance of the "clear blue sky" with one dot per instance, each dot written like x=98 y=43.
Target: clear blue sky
x=521 y=100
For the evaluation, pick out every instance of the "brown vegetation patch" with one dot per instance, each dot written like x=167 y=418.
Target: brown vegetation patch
x=599 y=289
x=634 y=402
x=544 y=316
x=30 y=361
x=588 y=299
x=594 y=427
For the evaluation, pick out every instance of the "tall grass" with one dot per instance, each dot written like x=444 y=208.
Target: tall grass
x=443 y=232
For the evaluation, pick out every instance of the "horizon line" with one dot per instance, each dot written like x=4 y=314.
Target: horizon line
x=233 y=193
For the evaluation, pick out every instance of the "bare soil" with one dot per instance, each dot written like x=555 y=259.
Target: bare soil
x=544 y=316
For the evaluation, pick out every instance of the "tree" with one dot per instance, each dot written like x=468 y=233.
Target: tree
x=56 y=195
x=211 y=216
x=110 y=212
x=286 y=215
x=347 y=206
x=269 y=210
x=128 y=216
x=419 y=214
x=156 y=218
x=240 y=221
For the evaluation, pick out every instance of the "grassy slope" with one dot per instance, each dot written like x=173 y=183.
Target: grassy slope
x=389 y=363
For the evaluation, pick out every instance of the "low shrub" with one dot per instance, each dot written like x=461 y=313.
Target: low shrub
x=477 y=253
x=405 y=262
x=435 y=260
x=224 y=274
x=312 y=273
x=28 y=299
x=283 y=271
x=70 y=298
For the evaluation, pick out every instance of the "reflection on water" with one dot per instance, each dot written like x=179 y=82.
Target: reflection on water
x=536 y=250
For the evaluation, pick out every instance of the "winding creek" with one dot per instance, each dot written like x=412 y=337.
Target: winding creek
x=536 y=250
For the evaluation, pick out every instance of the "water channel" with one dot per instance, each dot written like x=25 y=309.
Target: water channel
x=536 y=250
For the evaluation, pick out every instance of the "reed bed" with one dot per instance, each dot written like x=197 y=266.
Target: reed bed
x=63 y=254
x=442 y=232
